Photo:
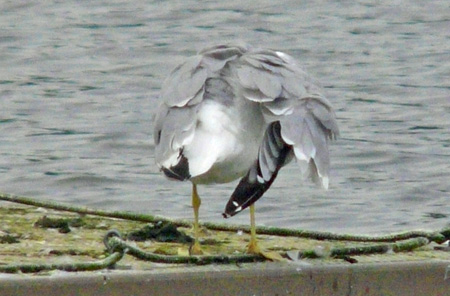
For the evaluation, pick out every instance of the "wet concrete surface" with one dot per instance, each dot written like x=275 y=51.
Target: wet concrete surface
x=407 y=278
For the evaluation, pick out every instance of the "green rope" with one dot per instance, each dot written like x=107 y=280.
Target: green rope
x=116 y=243
x=82 y=266
x=118 y=247
x=404 y=246
x=86 y=211
x=438 y=237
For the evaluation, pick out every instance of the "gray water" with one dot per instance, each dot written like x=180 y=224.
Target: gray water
x=79 y=85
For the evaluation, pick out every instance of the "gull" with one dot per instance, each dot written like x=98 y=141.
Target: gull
x=235 y=111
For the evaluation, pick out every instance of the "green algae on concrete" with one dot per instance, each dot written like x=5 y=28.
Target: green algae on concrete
x=38 y=239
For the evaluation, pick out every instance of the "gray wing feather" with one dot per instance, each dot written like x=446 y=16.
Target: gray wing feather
x=185 y=85
x=184 y=90
x=324 y=113
x=309 y=134
x=174 y=128
x=289 y=95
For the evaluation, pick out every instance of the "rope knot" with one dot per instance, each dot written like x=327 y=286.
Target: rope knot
x=112 y=245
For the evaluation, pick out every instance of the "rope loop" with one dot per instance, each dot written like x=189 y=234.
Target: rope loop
x=112 y=247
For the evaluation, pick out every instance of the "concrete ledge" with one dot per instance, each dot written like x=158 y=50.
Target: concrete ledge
x=415 y=278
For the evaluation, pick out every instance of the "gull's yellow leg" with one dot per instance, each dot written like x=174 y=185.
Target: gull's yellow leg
x=253 y=247
x=196 y=202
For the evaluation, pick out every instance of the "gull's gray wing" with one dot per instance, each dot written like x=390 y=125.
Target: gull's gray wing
x=182 y=93
x=305 y=123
